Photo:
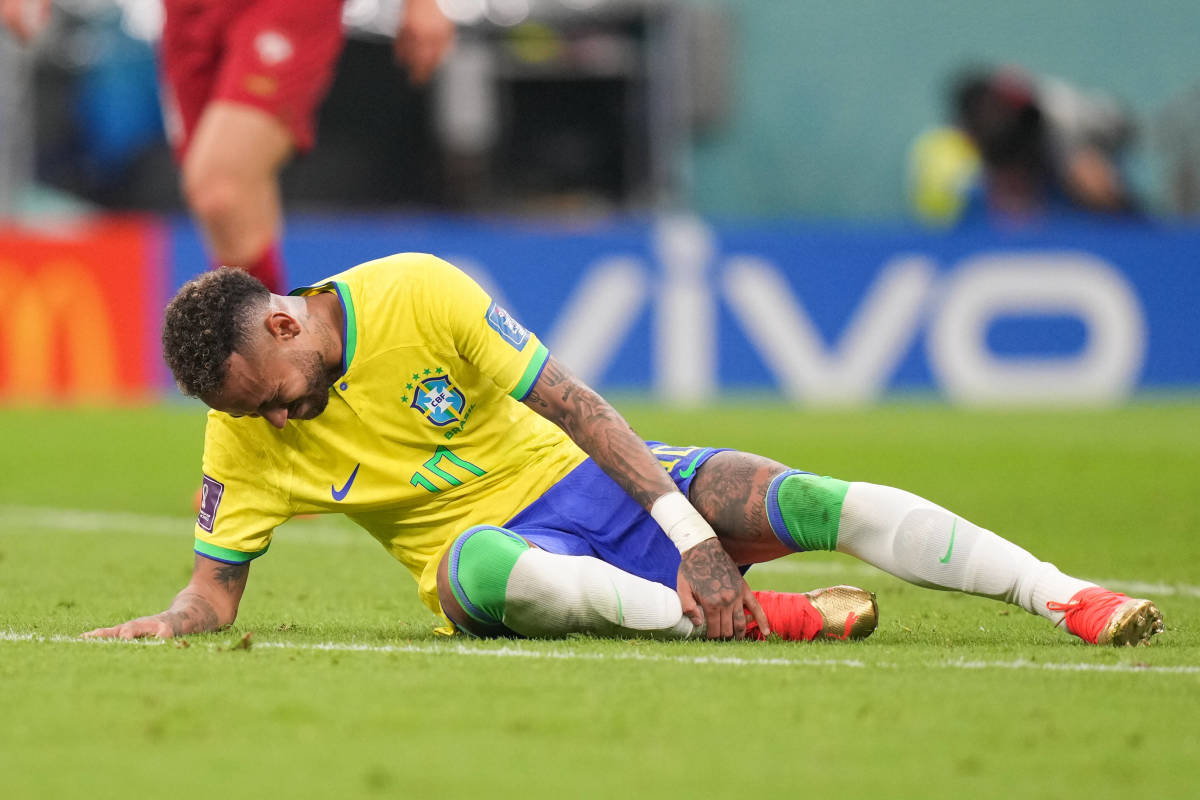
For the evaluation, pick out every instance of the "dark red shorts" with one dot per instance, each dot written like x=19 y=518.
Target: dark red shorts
x=276 y=55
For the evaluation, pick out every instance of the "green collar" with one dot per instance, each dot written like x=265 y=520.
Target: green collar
x=349 y=318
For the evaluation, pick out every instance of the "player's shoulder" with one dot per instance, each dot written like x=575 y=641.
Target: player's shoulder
x=229 y=430
x=400 y=266
x=241 y=445
x=400 y=272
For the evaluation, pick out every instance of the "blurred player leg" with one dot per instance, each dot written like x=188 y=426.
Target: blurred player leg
x=231 y=182
x=242 y=83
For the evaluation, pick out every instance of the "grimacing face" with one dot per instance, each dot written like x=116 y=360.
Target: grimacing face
x=276 y=384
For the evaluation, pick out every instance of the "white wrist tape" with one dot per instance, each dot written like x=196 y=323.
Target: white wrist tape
x=681 y=521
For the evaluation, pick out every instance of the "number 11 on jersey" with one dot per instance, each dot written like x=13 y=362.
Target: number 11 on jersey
x=442 y=453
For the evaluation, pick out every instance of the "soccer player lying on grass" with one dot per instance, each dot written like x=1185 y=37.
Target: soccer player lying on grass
x=398 y=394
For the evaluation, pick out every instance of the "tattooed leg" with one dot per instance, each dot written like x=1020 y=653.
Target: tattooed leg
x=761 y=510
x=730 y=491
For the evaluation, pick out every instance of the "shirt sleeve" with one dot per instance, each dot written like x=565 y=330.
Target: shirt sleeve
x=240 y=500
x=485 y=334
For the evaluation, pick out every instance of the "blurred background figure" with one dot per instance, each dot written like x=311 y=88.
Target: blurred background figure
x=1178 y=141
x=242 y=82
x=656 y=142
x=541 y=105
x=717 y=107
x=1021 y=148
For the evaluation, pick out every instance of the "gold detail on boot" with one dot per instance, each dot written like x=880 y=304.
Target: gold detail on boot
x=847 y=612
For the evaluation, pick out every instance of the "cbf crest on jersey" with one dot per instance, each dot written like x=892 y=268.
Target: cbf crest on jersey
x=509 y=329
x=438 y=399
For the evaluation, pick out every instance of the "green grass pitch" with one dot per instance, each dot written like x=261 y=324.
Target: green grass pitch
x=345 y=690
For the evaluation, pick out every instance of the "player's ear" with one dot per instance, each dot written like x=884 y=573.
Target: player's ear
x=282 y=326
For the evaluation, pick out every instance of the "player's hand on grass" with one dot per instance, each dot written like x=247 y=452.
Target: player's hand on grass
x=140 y=628
x=208 y=603
x=713 y=592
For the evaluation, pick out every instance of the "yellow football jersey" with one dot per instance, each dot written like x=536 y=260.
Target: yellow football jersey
x=424 y=435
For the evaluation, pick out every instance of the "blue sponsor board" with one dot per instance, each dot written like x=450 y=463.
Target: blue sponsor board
x=818 y=312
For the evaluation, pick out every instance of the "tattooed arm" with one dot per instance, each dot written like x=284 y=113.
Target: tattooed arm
x=707 y=576
x=208 y=603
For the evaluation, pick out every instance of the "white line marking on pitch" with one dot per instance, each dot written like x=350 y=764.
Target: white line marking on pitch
x=515 y=651
x=331 y=530
x=75 y=520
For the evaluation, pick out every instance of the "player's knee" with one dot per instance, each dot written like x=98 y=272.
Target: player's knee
x=805 y=510
x=206 y=192
x=473 y=584
x=216 y=197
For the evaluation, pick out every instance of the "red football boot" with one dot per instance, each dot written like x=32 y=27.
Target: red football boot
x=1099 y=616
x=839 y=612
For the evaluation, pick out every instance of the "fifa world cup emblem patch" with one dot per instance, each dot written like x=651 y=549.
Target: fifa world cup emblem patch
x=507 y=326
x=210 y=500
x=438 y=399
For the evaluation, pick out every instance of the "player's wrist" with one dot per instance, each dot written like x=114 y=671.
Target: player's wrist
x=680 y=520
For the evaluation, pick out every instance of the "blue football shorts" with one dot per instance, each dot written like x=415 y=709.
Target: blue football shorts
x=588 y=514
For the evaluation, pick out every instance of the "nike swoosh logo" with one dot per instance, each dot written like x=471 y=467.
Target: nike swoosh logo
x=620 y=609
x=687 y=471
x=340 y=494
x=946 y=558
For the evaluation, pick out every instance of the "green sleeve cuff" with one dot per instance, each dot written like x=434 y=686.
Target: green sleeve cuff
x=225 y=555
x=532 y=371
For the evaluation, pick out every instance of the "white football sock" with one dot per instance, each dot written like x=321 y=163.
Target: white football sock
x=553 y=595
x=925 y=544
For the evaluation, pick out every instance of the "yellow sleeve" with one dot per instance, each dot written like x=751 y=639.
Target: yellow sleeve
x=484 y=333
x=241 y=501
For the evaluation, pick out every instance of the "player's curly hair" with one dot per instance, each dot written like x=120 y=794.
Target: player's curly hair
x=207 y=320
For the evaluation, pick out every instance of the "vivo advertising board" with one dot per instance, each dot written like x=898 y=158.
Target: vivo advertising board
x=816 y=313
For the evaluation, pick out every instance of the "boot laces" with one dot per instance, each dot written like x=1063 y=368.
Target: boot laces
x=1088 y=611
